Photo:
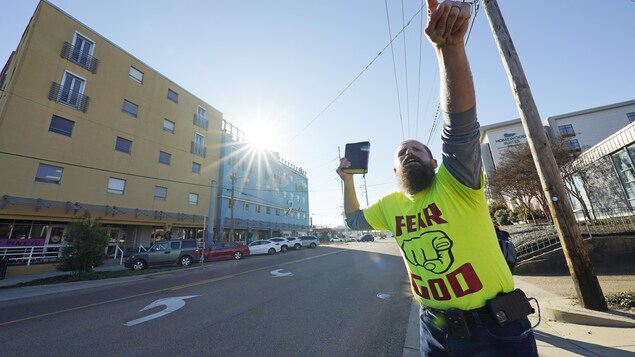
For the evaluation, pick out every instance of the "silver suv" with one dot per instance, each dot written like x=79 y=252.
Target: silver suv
x=309 y=241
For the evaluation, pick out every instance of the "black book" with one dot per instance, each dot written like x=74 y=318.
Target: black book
x=357 y=154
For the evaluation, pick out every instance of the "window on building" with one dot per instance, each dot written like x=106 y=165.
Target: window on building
x=165 y=158
x=49 y=174
x=246 y=206
x=631 y=117
x=200 y=119
x=123 y=145
x=196 y=168
x=268 y=210
x=130 y=108
x=72 y=90
x=193 y=199
x=198 y=145
x=116 y=186
x=257 y=208
x=623 y=162
x=82 y=50
x=277 y=211
x=168 y=126
x=160 y=193
x=573 y=145
x=566 y=130
x=61 y=126
x=136 y=75
x=173 y=96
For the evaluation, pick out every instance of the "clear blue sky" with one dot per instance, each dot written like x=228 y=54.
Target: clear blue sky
x=284 y=61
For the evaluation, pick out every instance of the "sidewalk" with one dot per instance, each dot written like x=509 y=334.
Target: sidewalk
x=565 y=328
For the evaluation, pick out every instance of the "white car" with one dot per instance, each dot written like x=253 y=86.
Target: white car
x=282 y=242
x=309 y=241
x=336 y=239
x=295 y=243
x=263 y=246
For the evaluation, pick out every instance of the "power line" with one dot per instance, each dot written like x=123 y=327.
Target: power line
x=357 y=77
x=405 y=63
x=394 y=70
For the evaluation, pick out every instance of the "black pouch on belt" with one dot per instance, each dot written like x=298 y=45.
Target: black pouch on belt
x=509 y=307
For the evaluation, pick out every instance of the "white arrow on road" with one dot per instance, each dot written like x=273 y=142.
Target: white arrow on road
x=279 y=273
x=171 y=304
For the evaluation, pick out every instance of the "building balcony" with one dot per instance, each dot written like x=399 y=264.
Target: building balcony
x=65 y=96
x=197 y=149
x=200 y=121
x=74 y=55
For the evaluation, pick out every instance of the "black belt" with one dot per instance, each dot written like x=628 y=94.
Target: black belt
x=470 y=316
x=461 y=322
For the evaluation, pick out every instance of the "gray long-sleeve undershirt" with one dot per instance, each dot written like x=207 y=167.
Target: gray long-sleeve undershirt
x=461 y=155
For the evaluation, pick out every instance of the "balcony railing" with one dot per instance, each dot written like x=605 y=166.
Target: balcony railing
x=73 y=54
x=68 y=97
x=200 y=121
x=198 y=149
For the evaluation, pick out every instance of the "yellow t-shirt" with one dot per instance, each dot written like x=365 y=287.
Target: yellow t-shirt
x=447 y=241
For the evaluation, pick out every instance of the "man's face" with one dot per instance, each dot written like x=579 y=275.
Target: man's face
x=414 y=166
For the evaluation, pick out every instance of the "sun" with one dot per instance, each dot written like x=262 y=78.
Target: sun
x=263 y=135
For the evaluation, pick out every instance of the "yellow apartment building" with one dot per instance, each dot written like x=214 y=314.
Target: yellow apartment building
x=86 y=126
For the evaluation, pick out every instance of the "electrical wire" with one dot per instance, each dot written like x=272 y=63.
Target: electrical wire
x=394 y=69
x=419 y=75
x=405 y=63
x=356 y=77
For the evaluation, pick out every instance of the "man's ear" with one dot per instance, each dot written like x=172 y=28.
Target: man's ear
x=394 y=169
x=435 y=163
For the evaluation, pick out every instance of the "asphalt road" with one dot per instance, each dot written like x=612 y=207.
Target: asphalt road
x=349 y=299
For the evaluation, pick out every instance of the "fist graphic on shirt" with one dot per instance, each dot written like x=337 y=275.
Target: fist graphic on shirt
x=431 y=250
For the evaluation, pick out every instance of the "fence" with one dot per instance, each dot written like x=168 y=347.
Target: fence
x=531 y=240
x=30 y=255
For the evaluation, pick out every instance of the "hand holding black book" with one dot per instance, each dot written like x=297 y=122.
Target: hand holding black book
x=357 y=155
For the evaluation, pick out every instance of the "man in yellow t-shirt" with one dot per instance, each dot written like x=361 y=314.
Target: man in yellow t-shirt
x=441 y=219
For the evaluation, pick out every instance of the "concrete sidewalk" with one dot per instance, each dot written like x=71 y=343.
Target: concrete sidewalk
x=565 y=328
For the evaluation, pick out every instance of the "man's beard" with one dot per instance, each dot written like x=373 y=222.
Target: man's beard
x=414 y=178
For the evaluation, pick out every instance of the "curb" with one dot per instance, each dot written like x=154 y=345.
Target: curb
x=411 y=344
x=567 y=310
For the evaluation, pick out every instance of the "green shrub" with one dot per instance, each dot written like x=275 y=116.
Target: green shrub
x=85 y=244
x=503 y=216
x=622 y=300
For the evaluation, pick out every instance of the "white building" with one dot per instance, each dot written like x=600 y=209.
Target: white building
x=584 y=129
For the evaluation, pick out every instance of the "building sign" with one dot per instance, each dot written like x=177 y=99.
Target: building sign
x=37 y=242
x=511 y=139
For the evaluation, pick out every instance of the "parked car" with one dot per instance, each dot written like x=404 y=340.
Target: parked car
x=295 y=242
x=367 y=238
x=182 y=252
x=351 y=239
x=309 y=241
x=283 y=242
x=263 y=246
x=336 y=239
x=226 y=250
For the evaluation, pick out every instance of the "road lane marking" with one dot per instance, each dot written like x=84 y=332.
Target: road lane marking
x=171 y=304
x=160 y=290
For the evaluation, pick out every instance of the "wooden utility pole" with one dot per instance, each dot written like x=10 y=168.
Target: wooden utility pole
x=580 y=268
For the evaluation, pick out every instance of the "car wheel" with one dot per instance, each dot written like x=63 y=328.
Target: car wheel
x=271 y=251
x=186 y=261
x=138 y=265
x=297 y=246
x=313 y=245
x=284 y=248
x=238 y=255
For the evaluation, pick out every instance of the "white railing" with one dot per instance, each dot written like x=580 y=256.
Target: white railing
x=118 y=251
x=30 y=255
x=142 y=247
